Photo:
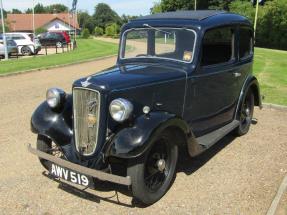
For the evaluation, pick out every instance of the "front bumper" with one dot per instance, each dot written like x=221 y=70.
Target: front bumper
x=81 y=169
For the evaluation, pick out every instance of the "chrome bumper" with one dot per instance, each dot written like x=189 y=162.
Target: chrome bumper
x=81 y=169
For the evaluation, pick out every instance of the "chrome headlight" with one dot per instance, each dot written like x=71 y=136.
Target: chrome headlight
x=121 y=109
x=55 y=97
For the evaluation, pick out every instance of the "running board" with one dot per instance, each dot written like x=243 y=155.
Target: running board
x=210 y=139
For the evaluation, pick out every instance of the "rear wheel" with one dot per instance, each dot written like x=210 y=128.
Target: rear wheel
x=45 y=144
x=153 y=174
x=26 y=51
x=245 y=114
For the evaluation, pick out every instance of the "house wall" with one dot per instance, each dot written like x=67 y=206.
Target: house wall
x=57 y=25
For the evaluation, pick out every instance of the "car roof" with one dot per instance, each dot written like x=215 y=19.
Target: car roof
x=201 y=19
x=195 y=15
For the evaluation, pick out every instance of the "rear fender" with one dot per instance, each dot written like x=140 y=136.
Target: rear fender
x=250 y=83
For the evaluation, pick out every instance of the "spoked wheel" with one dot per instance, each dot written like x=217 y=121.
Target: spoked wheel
x=246 y=114
x=153 y=173
x=44 y=144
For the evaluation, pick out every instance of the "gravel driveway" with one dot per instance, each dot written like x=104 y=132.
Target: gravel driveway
x=237 y=176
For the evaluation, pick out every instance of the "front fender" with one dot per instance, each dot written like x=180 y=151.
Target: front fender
x=56 y=125
x=133 y=141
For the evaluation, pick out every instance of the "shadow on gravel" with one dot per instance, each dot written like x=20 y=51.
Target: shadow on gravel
x=185 y=164
x=189 y=165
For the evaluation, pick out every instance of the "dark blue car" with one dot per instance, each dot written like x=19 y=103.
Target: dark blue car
x=182 y=80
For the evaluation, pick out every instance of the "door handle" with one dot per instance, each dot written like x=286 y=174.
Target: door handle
x=237 y=74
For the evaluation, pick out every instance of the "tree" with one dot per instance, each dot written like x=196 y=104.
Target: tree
x=126 y=18
x=157 y=8
x=86 y=21
x=29 y=11
x=16 y=11
x=174 y=5
x=105 y=16
x=40 y=30
x=219 y=4
x=39 y=8
x=56 y=8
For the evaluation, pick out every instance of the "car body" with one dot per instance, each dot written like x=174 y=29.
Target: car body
x=183 y=80
x=53 y=39
x=11 y=47
x=66 y=35
x=27 y=44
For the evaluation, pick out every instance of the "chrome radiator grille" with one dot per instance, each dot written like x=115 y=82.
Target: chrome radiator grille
x=86 y=105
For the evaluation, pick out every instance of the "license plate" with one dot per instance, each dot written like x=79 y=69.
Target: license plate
x=70 y=175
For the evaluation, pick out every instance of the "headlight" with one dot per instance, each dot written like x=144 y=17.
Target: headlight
x=121 y=109
x=55 y=97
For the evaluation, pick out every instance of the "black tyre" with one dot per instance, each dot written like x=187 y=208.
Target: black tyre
x=26 y=51
x=45 y=144
x=152 y=174
x=245 y=114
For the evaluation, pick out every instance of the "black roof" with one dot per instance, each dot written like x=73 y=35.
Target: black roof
x=194 y=15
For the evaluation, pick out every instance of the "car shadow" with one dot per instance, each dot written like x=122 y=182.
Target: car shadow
x=189 y=165
x=186 y=164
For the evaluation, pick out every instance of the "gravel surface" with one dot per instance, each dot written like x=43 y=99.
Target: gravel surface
x=236 y=176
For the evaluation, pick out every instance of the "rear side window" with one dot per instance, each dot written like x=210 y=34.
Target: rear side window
x=18 y=37
x=218 y=46
x=245 y=43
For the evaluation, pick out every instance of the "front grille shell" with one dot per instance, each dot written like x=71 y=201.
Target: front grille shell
x=86 y=109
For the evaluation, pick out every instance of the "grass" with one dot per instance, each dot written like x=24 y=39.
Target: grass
x=270 y=67
x=88 y=49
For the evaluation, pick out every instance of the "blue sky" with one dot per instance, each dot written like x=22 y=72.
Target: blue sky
x=130 y=7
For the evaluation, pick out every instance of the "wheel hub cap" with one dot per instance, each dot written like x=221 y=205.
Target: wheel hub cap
x=161 y=165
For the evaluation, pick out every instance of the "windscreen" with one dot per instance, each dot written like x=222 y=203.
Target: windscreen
x=166 y=43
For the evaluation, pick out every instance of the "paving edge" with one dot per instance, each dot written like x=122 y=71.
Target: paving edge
x=56 y=66
x=275 y=107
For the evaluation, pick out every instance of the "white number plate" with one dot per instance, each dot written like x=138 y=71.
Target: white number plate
x=69 y=175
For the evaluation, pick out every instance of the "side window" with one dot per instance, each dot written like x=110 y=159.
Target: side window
x=245 y=43
x=218 y=46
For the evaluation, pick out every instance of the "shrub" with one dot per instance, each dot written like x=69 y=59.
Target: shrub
x=85 y=33
x=112 y=30
x=99 y=31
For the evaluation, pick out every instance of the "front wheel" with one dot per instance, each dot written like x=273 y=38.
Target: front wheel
x=153 y=174
x=245 y=114
x=59 y=45
x=46 y=145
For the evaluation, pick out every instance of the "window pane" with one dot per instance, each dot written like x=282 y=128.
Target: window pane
x=245 y=42
x=217 y=46
x=136 y=44
x=167 y=43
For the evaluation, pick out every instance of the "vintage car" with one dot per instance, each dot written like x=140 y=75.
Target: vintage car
x=183 y=80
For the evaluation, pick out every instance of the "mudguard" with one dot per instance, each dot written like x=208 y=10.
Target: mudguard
x=133 y=141
x=56 y=125
x=251 y=82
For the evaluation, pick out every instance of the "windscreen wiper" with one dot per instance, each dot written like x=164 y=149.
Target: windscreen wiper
x=157 y=29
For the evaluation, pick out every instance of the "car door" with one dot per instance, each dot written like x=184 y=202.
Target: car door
x=214 y=84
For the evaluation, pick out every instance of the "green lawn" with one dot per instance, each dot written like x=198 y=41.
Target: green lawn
x=270 y=67
x=87 y=49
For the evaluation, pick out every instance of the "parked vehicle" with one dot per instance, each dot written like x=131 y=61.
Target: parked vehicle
x=53 y=39
x=11 y=47
x=27 y=44
x=66 y=35
x=182 y=80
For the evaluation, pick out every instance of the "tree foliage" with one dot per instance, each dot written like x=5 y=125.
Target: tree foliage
x=86 y=21
x=112 y=30
x=16 y=11
x=105 y=16
x=99 y=31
